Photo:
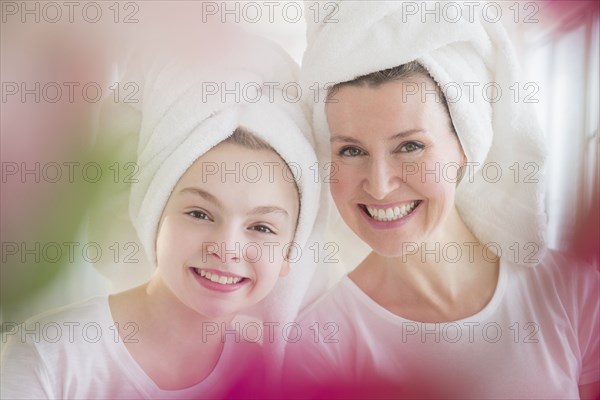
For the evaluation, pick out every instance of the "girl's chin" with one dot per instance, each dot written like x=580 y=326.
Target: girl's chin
x=215 y=314
x=204 y=310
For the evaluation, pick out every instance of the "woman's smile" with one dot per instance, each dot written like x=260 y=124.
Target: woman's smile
x=379 y=217
x=390 y=213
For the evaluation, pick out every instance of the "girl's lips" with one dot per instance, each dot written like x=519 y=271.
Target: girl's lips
x=219 y=272
x=218 y=282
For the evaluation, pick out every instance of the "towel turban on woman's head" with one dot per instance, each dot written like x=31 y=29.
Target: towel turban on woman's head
x=462 y=52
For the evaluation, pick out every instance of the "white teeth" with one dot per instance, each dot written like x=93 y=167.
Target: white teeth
x=392 y=214
x=223 y=280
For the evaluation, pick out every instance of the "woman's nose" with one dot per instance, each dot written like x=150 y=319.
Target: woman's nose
x=381 y=179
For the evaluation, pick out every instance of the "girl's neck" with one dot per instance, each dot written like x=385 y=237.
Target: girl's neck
x=169 y=316
x=176 y=346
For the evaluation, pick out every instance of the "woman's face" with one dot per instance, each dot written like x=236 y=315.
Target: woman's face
x=396 y=160
x=223 y=235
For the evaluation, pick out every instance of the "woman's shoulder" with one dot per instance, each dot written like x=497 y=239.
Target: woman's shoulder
x=560 y=276
x=340 y=297
x=346 y=311
x=559 y=266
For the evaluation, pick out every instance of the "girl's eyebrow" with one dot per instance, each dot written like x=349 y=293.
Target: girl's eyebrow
x=261 y=210
x=349 y=139
x=202 y=193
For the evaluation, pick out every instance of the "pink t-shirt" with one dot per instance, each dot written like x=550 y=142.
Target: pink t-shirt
x=537 y=338
x=76 y=353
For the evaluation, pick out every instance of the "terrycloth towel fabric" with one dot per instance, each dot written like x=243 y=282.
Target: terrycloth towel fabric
x=462 y=51
x=187 y=111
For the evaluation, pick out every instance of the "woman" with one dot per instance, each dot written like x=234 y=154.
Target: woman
x=457 y=298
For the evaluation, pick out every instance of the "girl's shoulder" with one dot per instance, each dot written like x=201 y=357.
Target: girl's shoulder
x=87 y=309
x=87 y=321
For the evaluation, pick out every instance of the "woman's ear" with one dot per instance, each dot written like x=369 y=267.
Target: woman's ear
x=461 y=170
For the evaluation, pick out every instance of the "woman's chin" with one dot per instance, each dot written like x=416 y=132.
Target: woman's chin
x=391 y=248
x=391 y=254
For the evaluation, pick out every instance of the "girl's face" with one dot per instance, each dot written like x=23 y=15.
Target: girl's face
x=396 y=160
x=221 y=243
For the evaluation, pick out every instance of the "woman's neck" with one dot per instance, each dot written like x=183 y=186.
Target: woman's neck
x=448 y=277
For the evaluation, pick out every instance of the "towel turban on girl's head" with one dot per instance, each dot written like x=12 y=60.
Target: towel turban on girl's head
x=188 y=108
x=462 y=51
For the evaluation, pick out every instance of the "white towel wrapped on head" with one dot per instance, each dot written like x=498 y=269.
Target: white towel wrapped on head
x=188 y=108
x=498 y=134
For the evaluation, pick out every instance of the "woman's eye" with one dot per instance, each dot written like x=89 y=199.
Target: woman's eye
x=350 y=152
x=262 y=229
x=410 y=147
x=198 y=214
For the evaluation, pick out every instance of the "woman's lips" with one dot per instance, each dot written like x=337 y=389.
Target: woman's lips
x=390 y=213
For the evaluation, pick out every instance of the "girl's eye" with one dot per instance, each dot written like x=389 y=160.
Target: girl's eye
x=198 y=214
x=263 y=229
x=410 y=147
x=350 y=152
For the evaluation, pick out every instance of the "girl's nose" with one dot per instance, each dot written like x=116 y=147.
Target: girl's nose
x=224 y=245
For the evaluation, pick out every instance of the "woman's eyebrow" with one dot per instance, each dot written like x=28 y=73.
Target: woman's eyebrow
x=404 y=134
x=202 y=193
x=268 y=210
x=350 y=139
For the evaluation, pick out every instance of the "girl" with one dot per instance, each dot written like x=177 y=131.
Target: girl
x=217 y=209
